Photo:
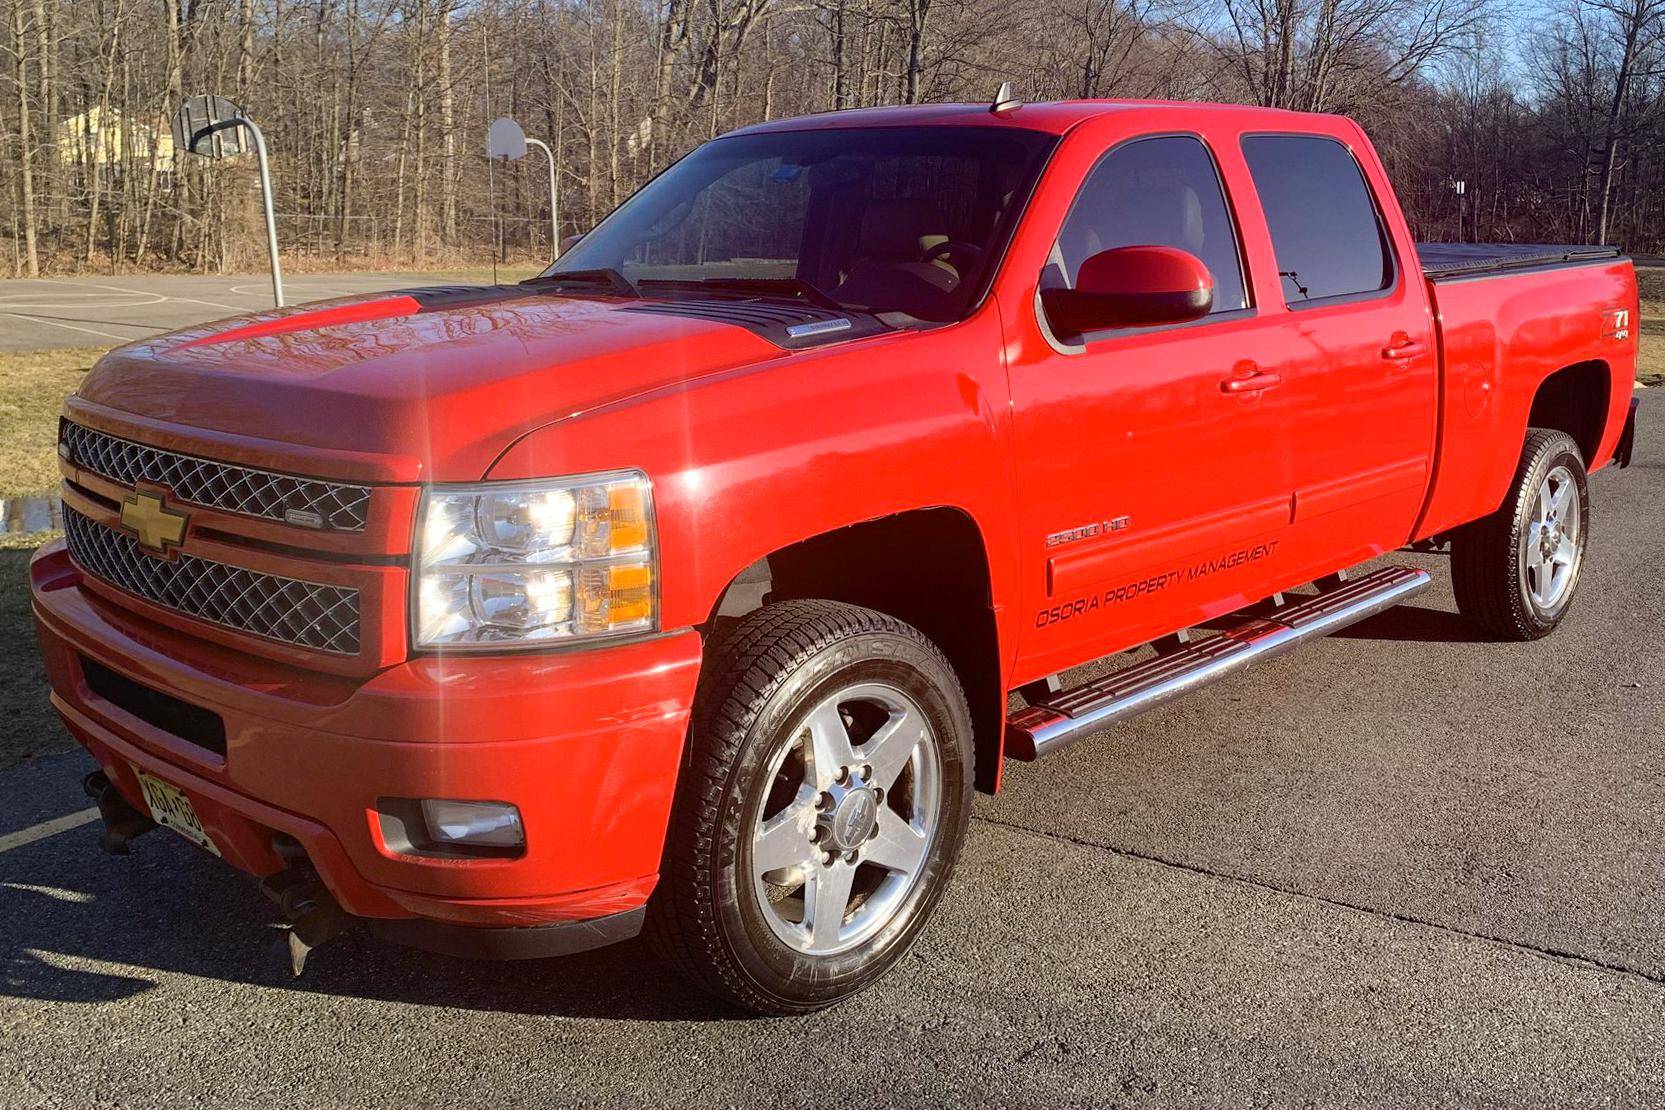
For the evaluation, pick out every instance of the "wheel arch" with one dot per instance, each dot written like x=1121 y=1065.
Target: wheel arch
x=928 y=567
x=1575 y=399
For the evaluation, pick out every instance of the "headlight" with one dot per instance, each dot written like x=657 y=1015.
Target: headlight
x=505 y=564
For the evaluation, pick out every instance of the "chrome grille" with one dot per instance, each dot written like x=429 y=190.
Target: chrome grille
x=236 y=489
x=308 y=614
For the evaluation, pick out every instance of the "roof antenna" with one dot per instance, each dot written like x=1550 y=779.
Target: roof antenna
x=1004 y=101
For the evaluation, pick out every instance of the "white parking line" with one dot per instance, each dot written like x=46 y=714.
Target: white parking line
x=88 y=301
x=47 y=828
x=291 y=287
x=139 y=293
x=78 y=327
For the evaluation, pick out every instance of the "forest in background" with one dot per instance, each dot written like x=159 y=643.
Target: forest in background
x=375 y=111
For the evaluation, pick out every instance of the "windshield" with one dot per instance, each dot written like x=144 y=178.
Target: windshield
x=903 y=221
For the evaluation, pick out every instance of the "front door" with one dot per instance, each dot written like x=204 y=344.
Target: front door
x=1155 y=476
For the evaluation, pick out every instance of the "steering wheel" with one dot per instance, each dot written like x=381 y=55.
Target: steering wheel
x=968 y=251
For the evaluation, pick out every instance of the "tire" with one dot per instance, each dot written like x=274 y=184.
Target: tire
x=1515 y=572
x=762 y=784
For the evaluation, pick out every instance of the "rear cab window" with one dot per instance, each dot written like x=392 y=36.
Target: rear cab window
x=1327 y=231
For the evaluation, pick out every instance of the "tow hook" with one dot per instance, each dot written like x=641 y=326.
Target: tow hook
x=121 y=821
x=314 y=916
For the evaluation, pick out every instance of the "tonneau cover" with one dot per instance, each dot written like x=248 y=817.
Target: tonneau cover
x=1470 y=259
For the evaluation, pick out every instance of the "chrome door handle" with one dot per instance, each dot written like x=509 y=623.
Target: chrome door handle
x=1402 y=348
x=1250 y=379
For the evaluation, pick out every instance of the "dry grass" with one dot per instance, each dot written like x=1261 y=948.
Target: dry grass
x=1651 y=281
x=507 y=274
x=1650 y=362
x=1650 y=365
x=24 y=541
x=29 y=727
x=33 y=385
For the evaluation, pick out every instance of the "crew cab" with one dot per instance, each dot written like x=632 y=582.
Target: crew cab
x=696 y=584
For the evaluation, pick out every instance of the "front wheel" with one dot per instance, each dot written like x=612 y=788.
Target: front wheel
x=823 y=810
x=1515 y=572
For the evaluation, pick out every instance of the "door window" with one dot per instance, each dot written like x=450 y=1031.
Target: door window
x=1161 y=192
x=1326 y=232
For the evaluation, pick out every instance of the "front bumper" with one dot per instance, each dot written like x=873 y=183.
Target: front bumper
x=585 y=742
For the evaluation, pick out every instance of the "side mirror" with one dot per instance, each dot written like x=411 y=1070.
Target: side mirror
x=568 y=243
x=1131 y=287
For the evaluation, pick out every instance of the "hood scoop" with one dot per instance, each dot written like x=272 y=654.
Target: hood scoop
x=404 y=302
x=310 y=320
x=785 y=324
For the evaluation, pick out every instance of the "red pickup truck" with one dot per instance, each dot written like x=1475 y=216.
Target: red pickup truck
x=694 y=585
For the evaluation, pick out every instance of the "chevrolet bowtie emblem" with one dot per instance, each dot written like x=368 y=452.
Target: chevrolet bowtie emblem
x=157 y=527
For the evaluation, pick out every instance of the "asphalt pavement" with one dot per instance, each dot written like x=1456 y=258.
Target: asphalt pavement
x=1400 y=867
x=92 y=311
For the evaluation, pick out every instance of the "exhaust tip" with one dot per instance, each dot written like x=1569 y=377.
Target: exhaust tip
x=121 y=821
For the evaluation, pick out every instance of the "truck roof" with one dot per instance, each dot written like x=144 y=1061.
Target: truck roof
x=1056 y=116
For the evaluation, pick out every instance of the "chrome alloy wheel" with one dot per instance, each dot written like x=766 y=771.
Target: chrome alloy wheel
x=1550 y=547
x=854 y=801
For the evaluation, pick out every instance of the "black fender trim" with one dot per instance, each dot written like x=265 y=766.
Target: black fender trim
x=1627 y=438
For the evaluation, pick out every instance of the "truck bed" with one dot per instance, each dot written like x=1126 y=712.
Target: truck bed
x=1453 y=260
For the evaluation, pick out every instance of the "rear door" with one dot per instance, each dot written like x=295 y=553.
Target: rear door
x=1358 y=320
x=1154 y=464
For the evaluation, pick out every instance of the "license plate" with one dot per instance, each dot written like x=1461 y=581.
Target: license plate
x=169 y=806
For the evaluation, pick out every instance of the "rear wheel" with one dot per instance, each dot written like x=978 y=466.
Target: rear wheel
x=1515 y=572
x=823 y=811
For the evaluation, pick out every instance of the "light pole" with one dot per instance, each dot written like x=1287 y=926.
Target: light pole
x=507 y=140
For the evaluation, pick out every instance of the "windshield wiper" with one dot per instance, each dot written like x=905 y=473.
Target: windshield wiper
x=601 y=274
x=783 y=286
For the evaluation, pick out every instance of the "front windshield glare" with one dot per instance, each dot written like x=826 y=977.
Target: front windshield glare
x=893 y=221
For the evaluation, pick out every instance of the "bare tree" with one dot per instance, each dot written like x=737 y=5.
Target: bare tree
x=374 y=109
x=1317 y=55
x=1633 y=30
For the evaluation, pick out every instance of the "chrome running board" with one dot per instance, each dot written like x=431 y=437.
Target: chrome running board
x=1069 y=715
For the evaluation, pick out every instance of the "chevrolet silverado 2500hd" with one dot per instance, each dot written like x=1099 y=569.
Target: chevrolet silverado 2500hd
x=687 y=586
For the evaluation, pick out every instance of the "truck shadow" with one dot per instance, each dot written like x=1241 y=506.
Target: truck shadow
x=1414 y=623
x=85 y=928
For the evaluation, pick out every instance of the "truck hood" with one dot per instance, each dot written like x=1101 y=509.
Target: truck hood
x=437 y=381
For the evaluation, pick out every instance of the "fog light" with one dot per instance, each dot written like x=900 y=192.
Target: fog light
x=481 y=824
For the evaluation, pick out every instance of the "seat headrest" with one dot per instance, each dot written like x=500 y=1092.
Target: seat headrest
x=899 y=228
x=1166 y=212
